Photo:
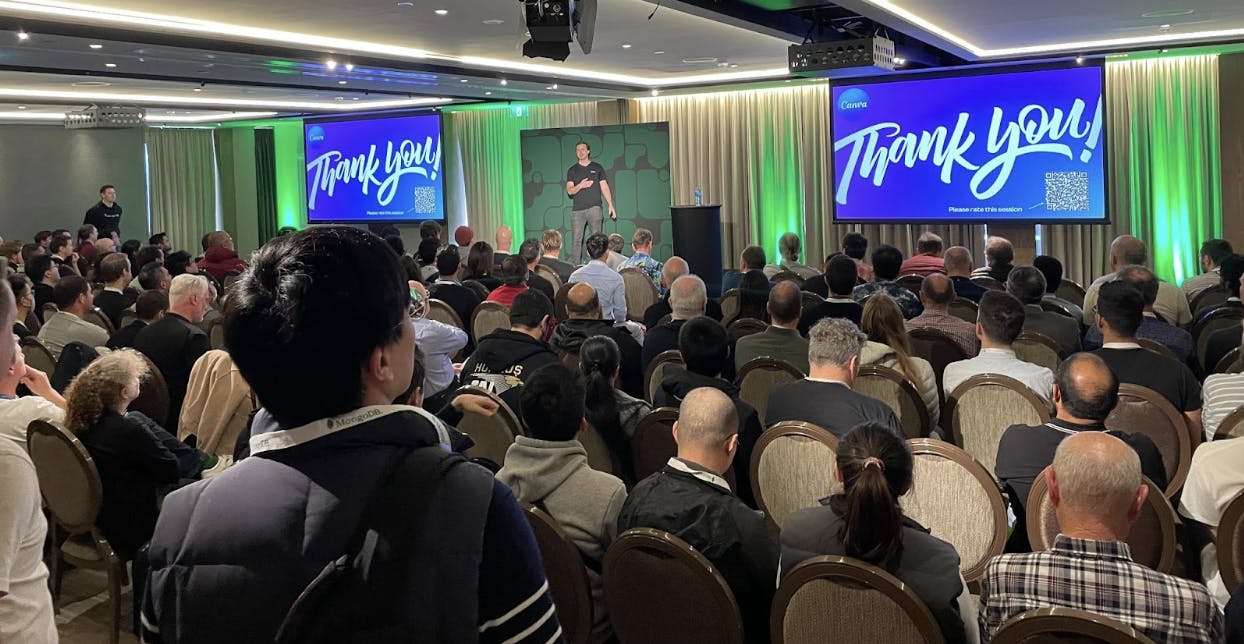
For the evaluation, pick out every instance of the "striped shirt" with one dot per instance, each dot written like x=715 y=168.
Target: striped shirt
x=1099 y=577
x=1222 y=394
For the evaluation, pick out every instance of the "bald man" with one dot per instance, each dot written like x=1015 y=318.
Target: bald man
x=689 y=497
x=585 y=321
x=999 y=255
x=958 y=263
x=674 y=268
x=928 y=258
x=1097 y=492
x=781 y=339
x=936 y=294
x=1126 y=250
x=504 y=239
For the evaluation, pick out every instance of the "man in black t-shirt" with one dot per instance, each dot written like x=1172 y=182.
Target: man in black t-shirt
x=840 y=277
x=586 y=184
x=105 y=215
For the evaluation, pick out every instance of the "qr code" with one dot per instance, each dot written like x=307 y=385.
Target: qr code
x=425 y=200
x=1066 y=191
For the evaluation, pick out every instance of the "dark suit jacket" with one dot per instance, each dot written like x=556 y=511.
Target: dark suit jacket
x=1055 y=326
x=540 y=284
x=659 y=339
x=1219 y=344
x=173 y=344
x=966 y=288
x=43 y=295
x=653 y=315
x=124 y=337
x=563 y=269
x=113 y=304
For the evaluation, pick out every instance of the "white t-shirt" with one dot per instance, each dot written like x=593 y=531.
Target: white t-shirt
x=1214 y=479
x=1222 y=394
x=26 y=609
x=16 y=414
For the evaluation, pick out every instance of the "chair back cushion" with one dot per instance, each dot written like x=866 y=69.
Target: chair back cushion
x=639 y=291
x=567 y=576
x=1231 y=543
x=939 y=349
x=896 y=391
x=1070 y=291
x=488 y=317
x=1145 y=411
x=978 y=411
x=598 y=456
x=442 y=312
x=493 y=434
x=964 y=309
x=1232 y=426
x=550 y=275
x=743 y=327
x=68 y=479
x=758 y=378
x=1066 y=626
x=656 y=371
x=729 y=305
x=97 y=317
x=1038 y=349
x=37 y=355
x=792 y=468
x=652 y=445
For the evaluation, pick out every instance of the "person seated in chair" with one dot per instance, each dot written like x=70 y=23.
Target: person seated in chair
x=606 y=281
x=690 y=498
x=674 y=268
x=928 y=258
x=1052 y=270
x=641 y=244
x=886 y=263
x=149 y=308
x=998 y=323
x=585 y=321
x=781 y=338
x=752 y=259
x=687 y=299
x=999 y=253
x=551 y=243
x=513 y=281
x=438 y=342
x=840 y=278
x=449 y=290
x=175 y=342
x=936 y=294
x=958 y=262
x=74 y=298
x=789 y=245
x=43 y=274
x=1172 y=337
x=530 y=252
x=1027 y=284
x=114 y=272
x=16 y=412
x=504 y=359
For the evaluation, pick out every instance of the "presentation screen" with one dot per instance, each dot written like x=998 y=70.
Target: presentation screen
x=997 y=146
x=375 y=169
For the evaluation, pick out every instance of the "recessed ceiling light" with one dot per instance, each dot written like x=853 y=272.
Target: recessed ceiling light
x=1163 y=51
x=198 y=89
x=330 y=64
x=91 y=84
x=339 y=98
x=554 y=85
x=341 y=82
x=405 y=4
x=549 y=87
x=487 y=93
x=504 y=82
x=95 y=46
x=658 y=52
x=733 y=65
x=700 y=60
x=441 y=12
x=656 y=92
x=494 y=21
x=21 y=35
x=349 y=67
x=900 y=61
x=1164 y=27
x=464 y=80
x=1079 y=60
x=21 y=107
x=110 y=65
x=354 y=98
x=626 y=45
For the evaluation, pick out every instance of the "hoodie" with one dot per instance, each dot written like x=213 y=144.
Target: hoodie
x=503 y=360
x=678 y=382
x=554 y=476
x=925 y=383
x=570 y=334
x=219 y=261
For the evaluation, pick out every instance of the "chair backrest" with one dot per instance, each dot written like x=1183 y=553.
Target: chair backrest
x=895 y=390
x=659 y=589
x=989 y=283
x=978 y=411
x=958 y=501
x=549 y=274
x=838 y=599
x=1151 y=539
x=964 y=309
x=598 y=456
x=477 y=286
x=1232 y=426
x=652 y=444
x=153 y=397
x=1145 y=411
x=1230 y=363
x=1219 y=317
x=810 y=299
x=560 y=299
x=640 y=292
x=656 y=370
x=1038 y=349
x=488 y=317
x=68 y=479
x=216 y=333
x=1153 y=346
x=566 y=574
x=792 y=468
x=1207 y=298
x=97 y=317
x=442 y=312
x=743 y=327
x=493 y=434
x=1071 y=291
x=128 y=317
x=1068 y=626
x=1231 y=543
x=37 y=355
x=939 y=349
x=911 y=282
x=1054 y=306
x=759 y=376
x=729 y=305
x=49 y=309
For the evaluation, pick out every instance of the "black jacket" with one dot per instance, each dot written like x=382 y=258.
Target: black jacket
x=124 y=337
x=113 y=304
x=43 y=295
x=503 y=360
x=659 y=339
x=966 y=288
x=678 y=382
x=540 y=284
x=652 y=317
x=1220 y=343
x=563 y=269
x=173 y=344
x=462 y=300
x=570 y=334
x=714 y=522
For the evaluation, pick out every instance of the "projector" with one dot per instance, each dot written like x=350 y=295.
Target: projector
x=552 y=24
x=109 y=116
x=874 y=53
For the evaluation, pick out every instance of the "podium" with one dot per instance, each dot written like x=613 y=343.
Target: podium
x=697 y=239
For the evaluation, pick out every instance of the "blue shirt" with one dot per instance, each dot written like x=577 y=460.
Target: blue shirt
x=650 y=267
x=1151 y=328
x=609 y=289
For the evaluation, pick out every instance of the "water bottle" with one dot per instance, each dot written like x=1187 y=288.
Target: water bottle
x=699 y=196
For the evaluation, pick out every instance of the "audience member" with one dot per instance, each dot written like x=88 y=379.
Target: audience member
x=889 y=347
x=551 y=242
x=753 y=297
x=175 y=342
x=179 y=263
x=1213 y=252
x=426 y=256
x=855 y=246
x=218 y=406
x=1027 y=284
x=449 y=290
x=1221 y=342
x=1126 y=250
x=789 y=246
x=1096 y=489
x=219 y=257
x=687 y=300
x=31 y=251
x=438 y=342
x=548 y=468
x=585 y=321
x=819 y=284
x=606 y=281
x=1119 y=313
x=117 y=296
x=24 y=298
x=87 y=236
x=613 y=413
x=866 y=522
x=17 y=412
x=1174 y=338
x=886 y=262
x=614 y=257
x=928 y=258
x=149 y=308
x=641 y=244
x=840 y=276
x=958 y=262
x=503 y=359
x=479 y=265
x=432 y=230
x=464 y=238
x=674 y=268
x=161 y=240
x=1214 y=480
x=936 y=294
x=64 y=257
x=513 y=281
x=330 y=445
x=751 y=259
x=11 y=251
x=825 y=397
x=1052 y=270
x=529 y=251
x=689 y=498
x=104 y=246
x=998 y=323
x=43 y=274
x=154 y=277
x=1222 y=394
x=998 y=257
x=781 y=338
x=44 y=239
x=505 y=239
x=74 y=298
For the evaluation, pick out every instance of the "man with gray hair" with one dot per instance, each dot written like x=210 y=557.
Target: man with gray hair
x=1027 y=284
x=928 y=258
x=674 y=268
x=958 y=263
x=614 y=259
x=175 y=342
x=999 y=253
x=825 y=397
x=688 y=298
x=1126 y=250
x=1097 y=491
x=789 y=246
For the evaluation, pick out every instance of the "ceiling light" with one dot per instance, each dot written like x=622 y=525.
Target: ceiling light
x=21 y=35
x=21 y=107
x=341 y=82
x=733 y=65
x=700 y=60
x=658 y=52
x=441 y=12
x=900 y=61
x=494 y=21
x=405 y=4
x=110 y=65
x=1163 y=51
x=487 y=93
x=207 y=118
x=464 y=80
x=198 y=89
x=626 y=45
x=95 y=46
x=656 y=92
x=554 y=85
x=91 y=84
x=174 y=100
x=1164 y=27
x=1079 y=60
x=349 y=67
x=549 y=87
x=32 y=116
x=330 y=64
x=504 y=82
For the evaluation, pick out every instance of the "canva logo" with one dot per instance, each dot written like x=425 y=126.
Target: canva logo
x=315 y=134
x=853 y=100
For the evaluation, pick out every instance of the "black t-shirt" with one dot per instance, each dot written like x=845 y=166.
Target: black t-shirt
x=845 y=310
x=590 y=196
x=105 y=218
x=1164 y=375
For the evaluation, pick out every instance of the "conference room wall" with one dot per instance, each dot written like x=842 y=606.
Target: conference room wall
x=50 y=176
x=1231 y=105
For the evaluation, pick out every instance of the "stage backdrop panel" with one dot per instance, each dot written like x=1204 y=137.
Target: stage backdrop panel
x=636 y=158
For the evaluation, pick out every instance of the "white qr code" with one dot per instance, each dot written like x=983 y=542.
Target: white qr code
x=1067 y=191
x=425 y=200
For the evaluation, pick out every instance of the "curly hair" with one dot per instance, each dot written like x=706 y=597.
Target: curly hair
x=98 y=387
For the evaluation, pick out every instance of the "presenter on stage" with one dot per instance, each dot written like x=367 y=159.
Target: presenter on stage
x=586 y=184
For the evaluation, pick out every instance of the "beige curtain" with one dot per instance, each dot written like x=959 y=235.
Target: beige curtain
x=183 y=184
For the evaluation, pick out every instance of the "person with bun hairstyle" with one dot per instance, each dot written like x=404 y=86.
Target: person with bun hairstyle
x=865 y=521
x=611 y=411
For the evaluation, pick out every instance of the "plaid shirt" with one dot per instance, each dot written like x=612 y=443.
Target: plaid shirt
x=650 y=267
x=961 y=331
x=1099 y=577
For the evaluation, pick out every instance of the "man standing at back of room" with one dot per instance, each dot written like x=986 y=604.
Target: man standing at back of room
x=105 y=216
x=586 y=185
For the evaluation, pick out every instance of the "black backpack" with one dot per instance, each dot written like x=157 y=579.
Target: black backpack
x=428 y=516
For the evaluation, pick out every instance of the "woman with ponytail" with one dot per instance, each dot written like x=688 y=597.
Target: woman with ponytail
x=865 y=521
x=613 y=413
